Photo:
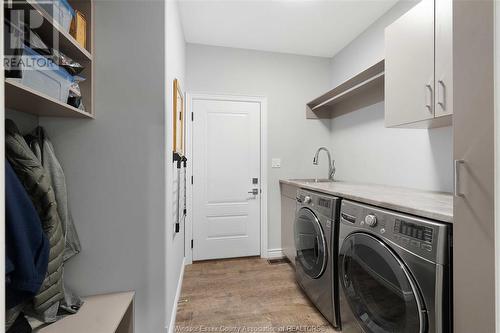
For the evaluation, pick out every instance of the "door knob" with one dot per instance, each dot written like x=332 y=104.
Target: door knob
x=254 y=191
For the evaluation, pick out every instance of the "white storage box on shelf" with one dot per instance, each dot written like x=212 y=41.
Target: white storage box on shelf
x=60 y=10
x=42 y=75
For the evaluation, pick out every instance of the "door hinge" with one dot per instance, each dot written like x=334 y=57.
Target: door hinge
x=192 y=116
x=192 y=243
x=192 y=180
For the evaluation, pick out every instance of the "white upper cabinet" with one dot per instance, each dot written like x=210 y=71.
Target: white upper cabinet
x=409 y=66
x=444 y=58
x=418 y=67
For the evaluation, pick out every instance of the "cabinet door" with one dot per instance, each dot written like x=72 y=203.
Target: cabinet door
x=444 y=58
x=474 y=151
x=409 y=66
x=287 y=221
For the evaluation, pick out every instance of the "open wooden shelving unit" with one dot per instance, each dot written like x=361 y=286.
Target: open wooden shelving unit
x=24 y=99
x=367 y=87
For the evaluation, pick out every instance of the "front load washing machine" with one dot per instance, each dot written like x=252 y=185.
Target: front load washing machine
x=394 y=272
x=316 y=237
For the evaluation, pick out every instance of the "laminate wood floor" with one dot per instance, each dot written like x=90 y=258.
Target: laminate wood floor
x=245 y=295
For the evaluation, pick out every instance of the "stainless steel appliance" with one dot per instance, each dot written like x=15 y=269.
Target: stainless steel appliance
x=394 y=272
x=316 y=236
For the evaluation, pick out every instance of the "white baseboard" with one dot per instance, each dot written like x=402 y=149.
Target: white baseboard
x=275 y=253
x=173 y=315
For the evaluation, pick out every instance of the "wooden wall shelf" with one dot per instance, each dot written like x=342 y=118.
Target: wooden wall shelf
x=367 y=87
x=107 y=313
x=24 y=99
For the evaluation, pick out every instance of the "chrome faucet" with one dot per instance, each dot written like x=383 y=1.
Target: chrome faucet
x=331 y=163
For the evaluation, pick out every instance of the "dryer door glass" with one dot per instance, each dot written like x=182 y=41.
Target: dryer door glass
x=310 y=243
x=378 y=287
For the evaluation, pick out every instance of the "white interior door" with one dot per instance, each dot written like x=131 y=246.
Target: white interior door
x=226 y=163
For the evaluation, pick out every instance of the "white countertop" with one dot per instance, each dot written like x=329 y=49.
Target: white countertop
x=433 y=205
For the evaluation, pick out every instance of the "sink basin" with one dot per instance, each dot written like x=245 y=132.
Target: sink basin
x=314 y=180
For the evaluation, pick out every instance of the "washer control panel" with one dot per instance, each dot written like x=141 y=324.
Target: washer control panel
x=323 y=204
x=414 y=234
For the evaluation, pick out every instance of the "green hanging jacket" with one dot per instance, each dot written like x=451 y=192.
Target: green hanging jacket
x=38 y=186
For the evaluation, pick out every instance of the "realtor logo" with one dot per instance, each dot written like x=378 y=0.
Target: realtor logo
x=28 y=38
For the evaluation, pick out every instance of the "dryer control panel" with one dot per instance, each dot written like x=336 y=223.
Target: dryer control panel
x=413 y=230
x=425 y=238
x=322 y=204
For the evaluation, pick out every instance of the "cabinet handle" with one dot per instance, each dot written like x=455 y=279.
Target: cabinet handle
x=441 y=94
x=456 y=186
x=428 y=97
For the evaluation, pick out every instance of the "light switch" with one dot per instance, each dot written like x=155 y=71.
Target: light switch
x=276 y=162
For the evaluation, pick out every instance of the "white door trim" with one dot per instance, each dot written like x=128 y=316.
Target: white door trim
x=263 y=166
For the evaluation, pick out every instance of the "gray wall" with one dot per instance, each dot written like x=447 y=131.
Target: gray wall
x=497 y=160
x=175 y=69
x=368 y=47
x=364 y=149
x=288 y=82
x=115 y=163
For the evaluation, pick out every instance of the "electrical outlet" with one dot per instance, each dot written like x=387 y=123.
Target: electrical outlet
x=276 y=162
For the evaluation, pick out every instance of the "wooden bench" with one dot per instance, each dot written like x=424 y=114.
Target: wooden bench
x=106 y=313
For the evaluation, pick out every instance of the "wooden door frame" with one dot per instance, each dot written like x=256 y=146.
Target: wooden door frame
x=190 y=98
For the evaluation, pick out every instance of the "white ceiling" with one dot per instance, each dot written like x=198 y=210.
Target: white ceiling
x=307 y=27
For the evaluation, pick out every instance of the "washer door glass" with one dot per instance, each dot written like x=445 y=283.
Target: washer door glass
x=310 y=243
x=378 y=287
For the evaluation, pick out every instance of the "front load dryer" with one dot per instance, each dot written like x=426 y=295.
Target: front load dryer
x=394 y=272
x=316 y=235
